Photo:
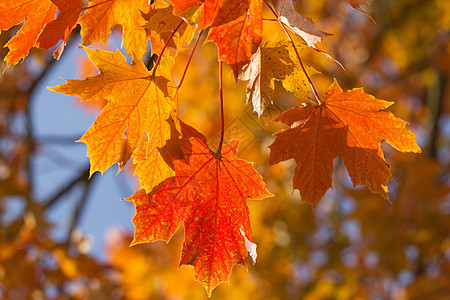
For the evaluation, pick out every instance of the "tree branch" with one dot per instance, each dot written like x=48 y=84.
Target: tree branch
x=67 y=188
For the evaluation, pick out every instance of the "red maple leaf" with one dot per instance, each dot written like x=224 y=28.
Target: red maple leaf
x=235 y=26
x=350 y=124
x=237 y=32
x=209 y=195
x=62 y=26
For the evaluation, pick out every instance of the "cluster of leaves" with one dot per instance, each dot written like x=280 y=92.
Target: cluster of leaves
x=181 y=177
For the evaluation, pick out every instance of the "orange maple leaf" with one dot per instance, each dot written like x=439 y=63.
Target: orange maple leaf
x=39 y=28
x=237 y=32
x=208 y=193
x=102 y=15
x=35 y=14
x=349 y=124
x=134 y=120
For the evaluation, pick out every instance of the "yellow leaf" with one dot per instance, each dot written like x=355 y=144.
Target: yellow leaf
x=275 y=61
x=139 y=105
x=101 y=16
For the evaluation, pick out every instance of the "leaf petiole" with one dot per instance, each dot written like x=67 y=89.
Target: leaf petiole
x=313 y=88
x=273 y=20
x=187 y=66
x=222 y=132
x=164 y=48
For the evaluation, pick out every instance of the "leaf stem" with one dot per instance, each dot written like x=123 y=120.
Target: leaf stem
x=187 y=66
x=164 y=48
x=313 y=88
x=222 y=132
x=272 y=9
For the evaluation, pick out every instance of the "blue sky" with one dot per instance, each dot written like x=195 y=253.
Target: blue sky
x=55 y=114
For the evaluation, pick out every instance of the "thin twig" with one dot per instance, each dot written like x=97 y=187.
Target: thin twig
x=67 y=188
x=435 y=103
x=80 y=206
x=58 y=139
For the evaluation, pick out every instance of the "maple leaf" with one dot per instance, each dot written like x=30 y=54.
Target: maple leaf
x=60 y=29
x=303 y=27
x=161 y=18
x=139 y=105
x=200 y=12
x=237 y=32
x=160 y=24
x=275 y=61
x=349 y=124
x=208 y=193
x=35 y=14
x=102 y=15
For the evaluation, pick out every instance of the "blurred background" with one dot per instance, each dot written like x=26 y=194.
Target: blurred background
x=64 y=236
